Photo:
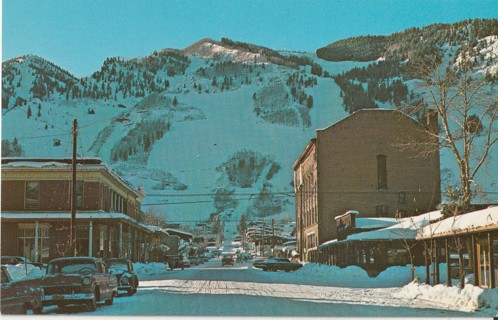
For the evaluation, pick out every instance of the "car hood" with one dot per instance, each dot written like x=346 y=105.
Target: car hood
x=62 y=279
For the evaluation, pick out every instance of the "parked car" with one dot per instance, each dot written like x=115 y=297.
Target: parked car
x=175 y=262
x=78 y=280
x=186 y=262
x=274 y=264
x=15 y=260
x=194 y=260
x=123 y=270
x=227 y=259
x=19 y=296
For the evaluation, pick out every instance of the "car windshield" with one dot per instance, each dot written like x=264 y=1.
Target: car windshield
x=117 y=265
x=72 y=266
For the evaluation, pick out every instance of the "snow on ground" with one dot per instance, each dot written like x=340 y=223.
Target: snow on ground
x=324 y=282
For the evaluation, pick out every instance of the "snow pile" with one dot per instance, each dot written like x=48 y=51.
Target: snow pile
x=470 y=298
x=24 y=272
x=354 y=276
x=150 y=268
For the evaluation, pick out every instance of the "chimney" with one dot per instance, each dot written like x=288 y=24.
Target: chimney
x=431 y=121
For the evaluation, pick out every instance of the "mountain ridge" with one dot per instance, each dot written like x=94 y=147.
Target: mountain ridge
x=204 y=120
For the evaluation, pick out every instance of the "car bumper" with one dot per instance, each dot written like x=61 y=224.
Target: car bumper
x=75 y=298
x=124 y=288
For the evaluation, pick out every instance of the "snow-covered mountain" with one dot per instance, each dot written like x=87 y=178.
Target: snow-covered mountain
x=212 y=128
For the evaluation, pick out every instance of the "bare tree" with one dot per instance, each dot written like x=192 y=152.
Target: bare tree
x=467 y=110
x=154 y=217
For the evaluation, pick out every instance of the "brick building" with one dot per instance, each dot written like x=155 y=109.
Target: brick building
x=35 y=218
x=356 y=164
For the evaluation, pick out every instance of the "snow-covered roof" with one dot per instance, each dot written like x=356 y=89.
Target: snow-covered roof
x=407 y=228
x=472 y=221
x=328 y=242
x=375 y=223
x=350 y=212
x=89 y=163
x=169 y=230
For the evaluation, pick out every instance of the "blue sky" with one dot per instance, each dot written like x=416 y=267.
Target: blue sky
x=78 y=35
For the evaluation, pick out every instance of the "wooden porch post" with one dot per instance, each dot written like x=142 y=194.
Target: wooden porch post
x=448 y=266
x=90 y=239
x=427 y=268
x=475 y=264
x=436 y=261
x=491 y=261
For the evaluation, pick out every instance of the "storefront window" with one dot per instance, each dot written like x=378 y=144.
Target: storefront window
x=27 y=241
x=82 y=240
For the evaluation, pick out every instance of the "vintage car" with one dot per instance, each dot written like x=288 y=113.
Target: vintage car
x=123 y=270
x=78 y=280
x=227 y=259
x=175 y=262
x=274 y=264
x=17 y=297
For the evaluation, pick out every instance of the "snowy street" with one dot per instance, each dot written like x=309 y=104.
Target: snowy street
x=241 y=290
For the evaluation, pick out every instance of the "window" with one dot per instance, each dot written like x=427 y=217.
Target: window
x=401 y=197
x=381 y=210
x=27 y=239
x=79 y=194
x=381 y=171
x=82 y=240
x=32 y=194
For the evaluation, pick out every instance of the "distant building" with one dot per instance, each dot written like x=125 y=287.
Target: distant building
x=355 y=164
x=36 y=209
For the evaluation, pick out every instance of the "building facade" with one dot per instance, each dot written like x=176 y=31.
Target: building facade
x=358 y=164
x=36 y=211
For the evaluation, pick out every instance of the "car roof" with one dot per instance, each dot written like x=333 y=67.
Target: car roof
x=117 y=259
x=77 y=258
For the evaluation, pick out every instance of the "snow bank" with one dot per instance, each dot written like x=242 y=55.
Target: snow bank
x=25 y=272
x=469 y=298
x=150 y=268
x=353 y=276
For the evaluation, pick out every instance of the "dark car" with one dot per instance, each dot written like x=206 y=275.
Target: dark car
x=274 y=264
x=227 y=259
x=19 y=296
x=78 y=280
x=123 y=270
x=175 y=262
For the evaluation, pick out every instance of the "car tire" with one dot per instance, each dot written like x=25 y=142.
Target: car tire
x=264 y=269
x=92 y=304
x=24 y=310
x=110 y=301
x=38 y=310
x=287 y=271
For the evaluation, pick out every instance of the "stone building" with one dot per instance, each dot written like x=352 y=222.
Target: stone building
x=358 y=164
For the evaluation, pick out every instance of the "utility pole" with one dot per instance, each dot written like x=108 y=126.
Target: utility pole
x=72 y=231
x=263 y=239
x=273 y=236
